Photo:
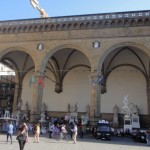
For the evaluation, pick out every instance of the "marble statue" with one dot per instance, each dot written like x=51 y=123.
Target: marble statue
x=84 y=119
x=126 y=106
x=43 y=111
x=87 y=109
x=44 y=108
x=19 y=105
x=115 y=110
x=69 y=108
x=7 y=113
x=115 y=116
x=76 y=108
x=26 y=107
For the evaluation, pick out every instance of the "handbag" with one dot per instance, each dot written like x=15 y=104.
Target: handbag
x=21 y=137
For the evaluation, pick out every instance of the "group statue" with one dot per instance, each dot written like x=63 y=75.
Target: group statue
x=129 y=108
x=126 y=106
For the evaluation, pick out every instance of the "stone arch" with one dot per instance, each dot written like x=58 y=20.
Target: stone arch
x=46 y=27
x=5 y=57
x=146 y=21
x=76 y=26
x=69 y=26
x=58 y=27
x=141 y=70
x=120 y=23
x=113 y=23
x=107 y=24
x=100 y=24
x=136 y=45
x=82 y=26
x=140 y=22
x=45 y=60
x=94 y=25
x=4 y=52
x=133 y=23
x=88 y=25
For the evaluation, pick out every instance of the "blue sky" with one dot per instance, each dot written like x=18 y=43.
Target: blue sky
x=21 y=9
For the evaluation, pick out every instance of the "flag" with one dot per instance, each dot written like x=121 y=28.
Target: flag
x=32 y=81
x=41 y=81
x=100 y=80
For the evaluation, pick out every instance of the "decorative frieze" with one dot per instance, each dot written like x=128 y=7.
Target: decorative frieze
x=77 y=22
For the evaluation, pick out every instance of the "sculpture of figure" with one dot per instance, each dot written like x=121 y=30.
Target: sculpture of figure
x=135 y=110
x=126 y=106
x=84 y=119
x=7 y=113
x=44 y=108
x=75 y=107
x=68 y=108
x=19 y=105
x=26 y=107
x=43 y=116
x=35 y=4
x=87 y=108
x=115 y=110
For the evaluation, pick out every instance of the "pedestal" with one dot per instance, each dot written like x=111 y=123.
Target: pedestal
x=135 y=121
x=127 y=124
x=115 y=121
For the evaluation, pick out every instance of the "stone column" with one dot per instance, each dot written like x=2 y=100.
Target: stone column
x=95 y=97
x=148 y=91
x=15 y=97
x=92 y=101
x=98 y=102
x=36 y=99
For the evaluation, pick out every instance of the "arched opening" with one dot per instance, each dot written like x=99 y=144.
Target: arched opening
x=126 y=71
x=17 y=64
x=66 y=79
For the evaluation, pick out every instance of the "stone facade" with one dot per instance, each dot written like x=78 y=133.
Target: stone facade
x=19 y=40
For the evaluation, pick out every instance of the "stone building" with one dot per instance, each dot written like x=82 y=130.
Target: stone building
x=67 y=56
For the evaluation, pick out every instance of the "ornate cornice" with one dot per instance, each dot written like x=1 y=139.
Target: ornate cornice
x=81 y=22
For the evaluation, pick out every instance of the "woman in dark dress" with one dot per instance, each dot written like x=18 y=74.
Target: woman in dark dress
x=23 y=134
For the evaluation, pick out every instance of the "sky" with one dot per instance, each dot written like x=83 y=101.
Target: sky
x=22 y=9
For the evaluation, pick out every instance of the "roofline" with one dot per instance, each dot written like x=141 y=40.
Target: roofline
x=83 y=15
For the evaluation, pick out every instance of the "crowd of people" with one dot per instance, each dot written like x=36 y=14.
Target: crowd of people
x=57 y=129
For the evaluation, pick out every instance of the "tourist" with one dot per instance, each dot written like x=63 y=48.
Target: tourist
x=10 y=131
x=148 y=136
x=36 y=133
x=75 y=132
x=51 y=129
x=27 y=135
x=21 y=136
x=64 y=132
x=56 y=132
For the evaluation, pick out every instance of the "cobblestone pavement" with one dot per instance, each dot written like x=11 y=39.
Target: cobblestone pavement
x=87 y=143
